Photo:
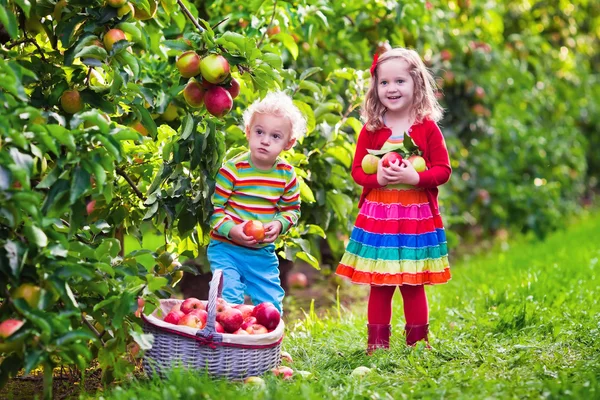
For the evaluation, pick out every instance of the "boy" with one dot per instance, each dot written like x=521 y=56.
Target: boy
x=256 y=185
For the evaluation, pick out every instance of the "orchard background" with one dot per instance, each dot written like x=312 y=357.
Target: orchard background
x=80 y=191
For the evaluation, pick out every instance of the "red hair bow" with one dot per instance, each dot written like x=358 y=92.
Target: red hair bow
x=374 y=65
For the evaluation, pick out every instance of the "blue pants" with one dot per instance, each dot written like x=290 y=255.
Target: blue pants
x=254 y=272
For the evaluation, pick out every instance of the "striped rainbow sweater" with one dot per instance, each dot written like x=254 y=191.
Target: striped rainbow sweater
x=244 y=192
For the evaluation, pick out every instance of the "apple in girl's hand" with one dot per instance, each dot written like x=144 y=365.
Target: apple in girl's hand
x=191 y=304
x=255 y=229
x=174 y=317
x=246 y=310
x=369 y=164
x=418 y=162
x=391 y=157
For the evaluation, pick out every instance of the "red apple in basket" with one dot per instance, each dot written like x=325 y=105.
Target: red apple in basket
x=268 y=316
x=202 y=314
x=241 y=332
x=174 y=317
x=231 y=319
x=391 y=157
x=219 y=327
x=249 y=321
x=191 y=304
x=246 y=310
x=256 y=329
x=191 y=320
x=221 y=304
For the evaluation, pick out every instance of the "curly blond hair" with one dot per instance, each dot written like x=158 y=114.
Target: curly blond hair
x=280 y=104
x=425 y=104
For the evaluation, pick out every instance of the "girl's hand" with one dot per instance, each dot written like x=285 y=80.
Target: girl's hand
x=403 y=173
x=272 y=231
x=238 y=236
x=382 y=174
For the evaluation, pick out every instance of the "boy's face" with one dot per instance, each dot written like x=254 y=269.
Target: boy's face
x=268 y=135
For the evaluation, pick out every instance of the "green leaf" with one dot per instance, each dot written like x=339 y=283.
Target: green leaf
x=36 y=236
x=25 y=5
x=316 y=230
x=144 y=340
x=70 y=295
x=93 y=51
x=74 y=336
x=156 y=282
x=187 y=126
x=308 y=114
x=306 y=193
x=63 y=135
x=289 y=43
x=80 y=183
x=309 y=258
x=9 y=21
x=309 y=72
x=33 y=359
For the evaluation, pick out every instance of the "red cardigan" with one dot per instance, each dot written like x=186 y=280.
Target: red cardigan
x=428 y=137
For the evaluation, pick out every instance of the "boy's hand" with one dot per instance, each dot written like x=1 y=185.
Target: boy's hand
x=272 y=230
x=238 y=236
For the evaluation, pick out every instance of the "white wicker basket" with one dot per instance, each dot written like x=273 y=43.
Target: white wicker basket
x=220 y=355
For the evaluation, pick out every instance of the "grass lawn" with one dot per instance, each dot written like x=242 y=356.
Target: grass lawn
x=519 y=322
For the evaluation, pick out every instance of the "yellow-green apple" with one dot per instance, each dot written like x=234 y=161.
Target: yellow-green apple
x=191 y=320
x=170 y=113
x=369 y=164
x=249 y=321
x=285 y=356
x=71 y=101
x=267 y=315
x=254 y=381
x=113 y=36
x=173 y=317
x=142 y=15
x=194 y=94
x=116 y=3
x=28 y=292
x=361 y=371
x=391 y=158
x=9 y=326
x=231 y=319
x=233 y=88
x=298 y=280
x=255 y=229
x=191 y=304
x=188 y=64
x=283 y=372
x=214 y=68
x=126 y=9
x=256 y=329
x=218 y=101
x=246 y=310
x=202 y=314
x=418 y=162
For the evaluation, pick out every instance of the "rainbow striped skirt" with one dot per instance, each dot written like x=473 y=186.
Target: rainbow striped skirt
x=396 y=240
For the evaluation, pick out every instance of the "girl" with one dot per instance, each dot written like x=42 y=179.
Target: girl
x=398 y=239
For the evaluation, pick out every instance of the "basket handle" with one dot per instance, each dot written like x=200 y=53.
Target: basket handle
x=216 y=287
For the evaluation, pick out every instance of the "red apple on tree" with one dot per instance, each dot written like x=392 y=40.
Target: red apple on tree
x=194 y=93
x=71 y=102
x=113 y=36
x=218 y=101
x=190 y=304
x=391 y=157
x=116 y=3
x=255 y=229
x=9 y=326
x=233 y=88
x=188 y=64
x=214 y=68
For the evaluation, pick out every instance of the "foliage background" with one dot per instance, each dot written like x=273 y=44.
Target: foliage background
x=517 y=82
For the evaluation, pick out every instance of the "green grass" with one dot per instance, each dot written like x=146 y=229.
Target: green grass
x=520 y=322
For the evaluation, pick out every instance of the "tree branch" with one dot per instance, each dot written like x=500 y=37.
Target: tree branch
x=122 y=173
x=93 y=329
x=190 y=16
x=270 y=23
x=219 y=23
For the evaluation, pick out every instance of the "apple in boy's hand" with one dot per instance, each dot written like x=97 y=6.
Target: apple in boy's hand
x=418 y=163
x=391 y=157
x=255 y=229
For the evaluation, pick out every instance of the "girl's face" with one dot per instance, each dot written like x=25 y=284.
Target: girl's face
x=395 y=87
x=268 y=135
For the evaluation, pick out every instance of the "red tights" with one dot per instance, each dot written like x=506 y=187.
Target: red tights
x=416 y=311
